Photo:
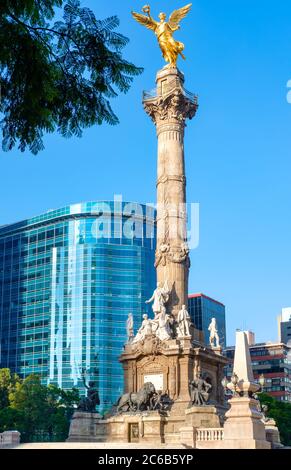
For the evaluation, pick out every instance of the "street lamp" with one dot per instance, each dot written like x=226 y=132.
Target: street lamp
x=234 y=380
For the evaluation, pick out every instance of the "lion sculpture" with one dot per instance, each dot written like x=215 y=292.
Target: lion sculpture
x=136 y=401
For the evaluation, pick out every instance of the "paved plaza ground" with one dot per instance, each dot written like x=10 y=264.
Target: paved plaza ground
x=90 y=445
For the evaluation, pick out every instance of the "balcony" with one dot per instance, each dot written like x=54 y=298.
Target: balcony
x=169 y=88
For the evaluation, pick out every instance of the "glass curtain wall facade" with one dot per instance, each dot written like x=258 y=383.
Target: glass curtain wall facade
x=202 y=309
x=68 y=280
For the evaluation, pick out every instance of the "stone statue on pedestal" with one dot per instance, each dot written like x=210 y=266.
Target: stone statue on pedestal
x=145 y=329
x=159 y=298
x=88 y=404
x=199 y=391
x=160 y=401
x=163 y=331
x=129 y=328
x=184 y=322
x=160 y=326
x=213 y=334
x=264 y=410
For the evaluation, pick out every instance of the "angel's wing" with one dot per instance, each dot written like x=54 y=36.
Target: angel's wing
x=178 y=15
x=145 y=20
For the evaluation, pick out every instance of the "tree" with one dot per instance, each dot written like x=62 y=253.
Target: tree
x=45 y=410
x=37 y=411
x=11 y=419
x=8 y=382
x=57 y=76
x=281 y=412
x=66 y=400
x=30 y=399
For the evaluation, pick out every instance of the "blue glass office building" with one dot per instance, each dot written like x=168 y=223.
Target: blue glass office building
x=68 y=280
x=202 y=309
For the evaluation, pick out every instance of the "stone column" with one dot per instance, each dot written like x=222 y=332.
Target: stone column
x=169 y=108
x=184 y=374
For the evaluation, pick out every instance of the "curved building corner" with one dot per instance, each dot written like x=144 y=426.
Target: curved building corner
x=68 y=279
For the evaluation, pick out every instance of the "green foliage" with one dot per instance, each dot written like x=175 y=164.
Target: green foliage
x=280 y=411
x=37 y=411
x=7 y=385
x=57 y=76
x=12 y=420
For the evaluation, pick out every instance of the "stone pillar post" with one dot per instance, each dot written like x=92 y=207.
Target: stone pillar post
x=220 y=392
x=244 y=428
x=184 y=373
x=169 y=108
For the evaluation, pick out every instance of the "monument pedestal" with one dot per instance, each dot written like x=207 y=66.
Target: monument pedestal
x=147 y=426
x=87 y=427
x=188 y=436
x=154 y=427
x=243 y=428
x=170 y=365
x=182 y=426
x=217 y=350
x=204 y=416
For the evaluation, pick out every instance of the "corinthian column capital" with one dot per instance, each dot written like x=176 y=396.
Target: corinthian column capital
x=170 y=104
x=174 y=109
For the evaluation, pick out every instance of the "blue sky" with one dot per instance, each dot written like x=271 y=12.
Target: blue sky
x=238 y=152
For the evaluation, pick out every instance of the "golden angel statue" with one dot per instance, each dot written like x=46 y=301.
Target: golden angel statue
x=164 y=31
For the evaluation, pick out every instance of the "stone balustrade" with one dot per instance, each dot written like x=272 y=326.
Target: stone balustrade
x=209 y=434
x=9 y=438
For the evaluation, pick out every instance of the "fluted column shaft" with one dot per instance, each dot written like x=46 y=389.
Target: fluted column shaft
x=169 y=110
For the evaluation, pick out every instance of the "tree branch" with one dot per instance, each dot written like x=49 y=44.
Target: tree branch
x=51 y=30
